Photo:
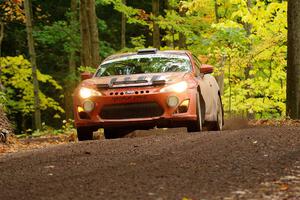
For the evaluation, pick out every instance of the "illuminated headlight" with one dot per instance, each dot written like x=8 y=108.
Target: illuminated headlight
x=87 y=93
x=172 y=101
x=88 y=106
x=178 y=87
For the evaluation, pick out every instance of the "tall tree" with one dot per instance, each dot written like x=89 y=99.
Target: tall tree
x=220 y=76
x=293 y=70
x=156 y=32
x=1 y=34
x=1 y=39
x=182 y=38
x=71 y=83
x=217 y=11
x=123 y=28
x=168 y=7
x=89 y=34
x=73 y=21
x=248 y=29
x=37 y=112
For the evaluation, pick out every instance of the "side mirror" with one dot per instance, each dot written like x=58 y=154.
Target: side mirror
x=206 y=69
x=86 y=75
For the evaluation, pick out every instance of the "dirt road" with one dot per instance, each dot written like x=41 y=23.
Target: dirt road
x=253 y=163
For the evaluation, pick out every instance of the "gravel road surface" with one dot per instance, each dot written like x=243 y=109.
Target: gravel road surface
x=252 y=163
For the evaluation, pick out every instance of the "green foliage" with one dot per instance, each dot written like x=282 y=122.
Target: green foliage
x=17 y=80
x=138 y=42
x=86 y=69
x=134 y=16
x=60 y=33
x=67 y=128
x=255 y=58
x=66 y=34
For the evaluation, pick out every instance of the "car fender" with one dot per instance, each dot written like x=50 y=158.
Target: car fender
x=210 y=93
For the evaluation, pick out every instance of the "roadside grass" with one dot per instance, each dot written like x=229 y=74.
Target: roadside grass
x=46 y=131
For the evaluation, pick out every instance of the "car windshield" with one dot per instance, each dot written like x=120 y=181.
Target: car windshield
x=139 y=64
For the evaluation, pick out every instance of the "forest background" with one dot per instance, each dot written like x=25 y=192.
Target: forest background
x=246 y=41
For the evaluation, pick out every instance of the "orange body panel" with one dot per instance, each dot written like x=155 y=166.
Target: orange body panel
x=168 y=115
x=142 y=94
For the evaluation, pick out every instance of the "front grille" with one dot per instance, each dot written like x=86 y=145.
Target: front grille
x=129 y=111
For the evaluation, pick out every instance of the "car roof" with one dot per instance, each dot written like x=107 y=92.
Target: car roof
x=170 y=52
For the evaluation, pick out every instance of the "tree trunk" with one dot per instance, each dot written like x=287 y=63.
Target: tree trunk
x=74 y=19
x=86 y=56
x=168 y=7
x=1 y=39
x=217 y=11
x=156 y=32
x=89 y=34
x=123 y=29
x=220 y=77
x=182 y=41
x=293 y=69
x=72 y=66
x=182 y=38
x=1 y=35
x=94 y=33
x=248 y=29
x=37 y=113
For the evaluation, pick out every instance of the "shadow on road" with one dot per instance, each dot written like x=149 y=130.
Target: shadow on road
x=230 y=124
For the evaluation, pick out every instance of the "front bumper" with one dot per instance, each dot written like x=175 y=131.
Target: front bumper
x=170 y=116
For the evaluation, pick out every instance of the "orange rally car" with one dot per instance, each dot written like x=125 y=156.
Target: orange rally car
x=147 y=89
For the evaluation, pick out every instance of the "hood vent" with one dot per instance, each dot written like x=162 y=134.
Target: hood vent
x=129 y=82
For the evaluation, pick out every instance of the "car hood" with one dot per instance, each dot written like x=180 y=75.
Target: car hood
x=136 y=80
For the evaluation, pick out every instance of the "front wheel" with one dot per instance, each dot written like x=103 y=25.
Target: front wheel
x=197 y=125
x=85 y=133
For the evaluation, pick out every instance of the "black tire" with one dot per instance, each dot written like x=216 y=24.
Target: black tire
x=85 y=133
x=114 y=133
x=198 y=124
x=217 y=125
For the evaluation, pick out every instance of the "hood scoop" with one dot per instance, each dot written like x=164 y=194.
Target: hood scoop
x=103 y=86
x=135 y=81
x=159 y=82
x=129 y=82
